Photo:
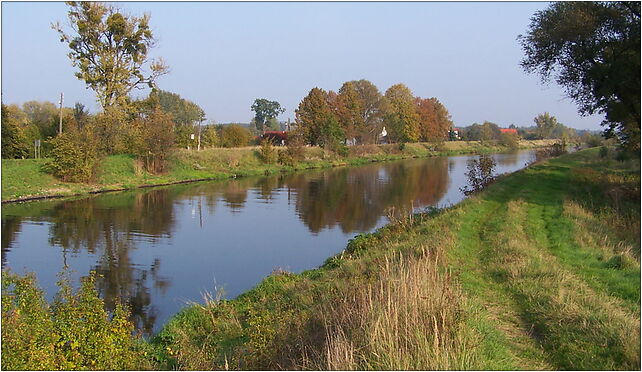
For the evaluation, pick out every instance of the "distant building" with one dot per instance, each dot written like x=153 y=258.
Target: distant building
x=508 y=130
x=278 y=137
x=454 y=134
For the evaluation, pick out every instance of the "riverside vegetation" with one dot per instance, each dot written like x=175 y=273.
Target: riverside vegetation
x=30 y=178
x=540 y=270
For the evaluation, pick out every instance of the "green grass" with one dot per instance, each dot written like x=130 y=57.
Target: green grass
x=516 y=277
x=27 y=178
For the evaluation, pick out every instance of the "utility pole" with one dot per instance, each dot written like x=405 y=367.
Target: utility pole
x=60 y=122
x=198 y=147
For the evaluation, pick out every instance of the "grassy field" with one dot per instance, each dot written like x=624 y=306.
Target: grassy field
x=23 y=179
x=539 y=271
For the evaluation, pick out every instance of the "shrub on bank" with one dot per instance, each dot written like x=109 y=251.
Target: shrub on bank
x=74 y=332
x=267 y=153
x=75 y=155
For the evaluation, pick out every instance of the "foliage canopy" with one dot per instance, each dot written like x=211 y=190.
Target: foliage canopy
x=110 y=50
x=592 y=49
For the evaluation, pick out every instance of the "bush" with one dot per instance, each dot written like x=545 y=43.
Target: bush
x=234 y=135
x=593 y=140
x=74 y=332
x=480 y=174
x=510 y=140
x=267 y=152
x=342 y=150
x=604 y=152
x=296 y=148
x=75 y=155
x=285 y=158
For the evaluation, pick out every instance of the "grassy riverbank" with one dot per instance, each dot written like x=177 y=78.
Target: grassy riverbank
x=539 y=271
x=24 y=179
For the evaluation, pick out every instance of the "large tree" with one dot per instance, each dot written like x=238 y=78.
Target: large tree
x=110 y=50
x=184 y=112
x=349 y=110
x=401 y=117
x=265 y=111
x=545 y=125
x=372 y=108
x=316 y=120
x=434 y=120
x=592 y=49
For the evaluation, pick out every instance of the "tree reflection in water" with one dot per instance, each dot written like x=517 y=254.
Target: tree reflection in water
x=104 y=226
x=110 y=225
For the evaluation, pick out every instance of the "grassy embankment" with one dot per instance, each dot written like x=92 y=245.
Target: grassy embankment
x=24 y=179
x=539 y=271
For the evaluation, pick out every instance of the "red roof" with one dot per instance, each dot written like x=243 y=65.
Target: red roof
x=508 y=130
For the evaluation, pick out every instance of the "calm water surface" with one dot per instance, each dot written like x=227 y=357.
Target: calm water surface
x=161 y=248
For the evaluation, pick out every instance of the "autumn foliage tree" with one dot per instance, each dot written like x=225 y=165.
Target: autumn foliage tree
x=434 y=119
x=349 y=109
x=156 y=140
x=372 y=109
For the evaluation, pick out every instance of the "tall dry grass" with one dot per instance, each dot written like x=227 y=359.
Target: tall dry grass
x=409 y=318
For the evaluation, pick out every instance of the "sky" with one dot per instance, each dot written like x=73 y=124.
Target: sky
x=224 y=55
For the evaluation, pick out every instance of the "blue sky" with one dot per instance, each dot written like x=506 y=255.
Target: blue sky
x=224 y=55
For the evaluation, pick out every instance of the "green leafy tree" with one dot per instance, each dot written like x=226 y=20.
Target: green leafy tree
x=209 y=136
x=592 y=49
x=546 y=124
x=481 y=132
x=183 y=111
x=317 y=122
x=42 y=115
x=110 y=50
x=14 y=141
x=273 y=124
x=265 y=112
x=402 y=118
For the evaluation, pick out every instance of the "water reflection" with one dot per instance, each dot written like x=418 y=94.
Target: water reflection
x=158 y=248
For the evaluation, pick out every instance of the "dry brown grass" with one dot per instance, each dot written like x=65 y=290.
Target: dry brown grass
x=409 y=318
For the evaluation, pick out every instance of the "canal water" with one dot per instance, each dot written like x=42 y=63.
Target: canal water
x=162 y=248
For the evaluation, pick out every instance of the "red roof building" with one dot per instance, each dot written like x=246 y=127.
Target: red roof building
x=508 y=130
x=278 y=137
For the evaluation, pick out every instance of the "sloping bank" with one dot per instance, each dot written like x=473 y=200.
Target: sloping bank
x=539 y=271
x=26 y=179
